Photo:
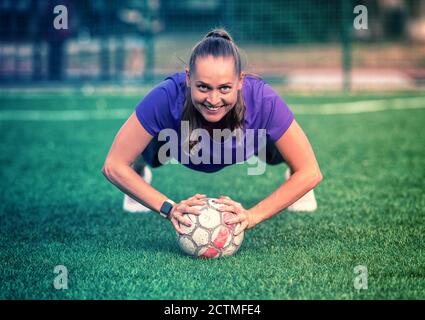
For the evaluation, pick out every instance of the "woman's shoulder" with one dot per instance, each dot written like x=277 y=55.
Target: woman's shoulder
x=252 y=81
x=170 y=93
x=257 y=91
x=174 y=84
x=262 y=102
x=254 y=91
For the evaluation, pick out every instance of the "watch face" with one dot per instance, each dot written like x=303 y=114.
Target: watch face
x=166 y=208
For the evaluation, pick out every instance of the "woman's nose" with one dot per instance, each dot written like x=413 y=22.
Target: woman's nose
x=214 y=99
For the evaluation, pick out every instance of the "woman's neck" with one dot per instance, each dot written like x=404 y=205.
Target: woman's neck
x=214 y=125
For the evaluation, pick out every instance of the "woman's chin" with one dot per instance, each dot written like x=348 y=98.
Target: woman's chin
x=212 y=119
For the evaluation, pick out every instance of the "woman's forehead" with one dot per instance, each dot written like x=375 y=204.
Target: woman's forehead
x=215 y=69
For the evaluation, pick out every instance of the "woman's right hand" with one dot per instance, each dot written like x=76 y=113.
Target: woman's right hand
x=186 y=206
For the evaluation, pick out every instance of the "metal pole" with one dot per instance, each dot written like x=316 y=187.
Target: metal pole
x=346 y=28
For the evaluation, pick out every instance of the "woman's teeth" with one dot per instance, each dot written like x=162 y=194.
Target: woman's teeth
x=212 y=108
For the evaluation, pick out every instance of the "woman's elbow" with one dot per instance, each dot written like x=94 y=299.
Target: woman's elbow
x=316 y=177
x=109 y=170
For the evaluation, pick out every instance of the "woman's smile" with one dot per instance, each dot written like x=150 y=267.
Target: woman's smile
x=209 y=110
x=212 y=108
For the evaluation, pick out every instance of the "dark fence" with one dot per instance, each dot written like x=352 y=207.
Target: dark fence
x=127 y=39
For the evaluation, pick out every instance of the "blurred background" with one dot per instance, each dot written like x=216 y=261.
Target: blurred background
x=297 y=44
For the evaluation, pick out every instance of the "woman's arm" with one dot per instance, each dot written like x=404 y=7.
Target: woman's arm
x=305 y=175
x=129 y=142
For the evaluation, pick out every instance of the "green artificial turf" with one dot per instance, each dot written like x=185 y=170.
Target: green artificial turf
x=57 y=209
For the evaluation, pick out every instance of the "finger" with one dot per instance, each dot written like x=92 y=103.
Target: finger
x=182 y=209
x=238 y=219
x=240 y=228
x=198 y=196
x=221 y=199
x=228 y=208
x=183 y=220
x=195 y=202
x=176 y=226
x=192 y=210
x=229 y=202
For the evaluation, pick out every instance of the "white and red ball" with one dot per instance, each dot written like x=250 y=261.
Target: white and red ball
x=209 y=236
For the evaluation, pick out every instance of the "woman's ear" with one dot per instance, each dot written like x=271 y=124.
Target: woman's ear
x=242 y=76
x=187 y=77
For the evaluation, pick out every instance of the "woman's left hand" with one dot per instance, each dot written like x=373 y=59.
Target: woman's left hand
x=243 y=216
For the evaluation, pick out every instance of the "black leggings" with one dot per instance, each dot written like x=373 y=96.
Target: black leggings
x=150 y=154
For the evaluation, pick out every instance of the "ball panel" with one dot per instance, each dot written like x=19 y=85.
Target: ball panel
x=187 y=245
x=238 y=239
x=221 y=237
x=209 y=218
x=200 y=236
x=209 y=252
x=230 y=250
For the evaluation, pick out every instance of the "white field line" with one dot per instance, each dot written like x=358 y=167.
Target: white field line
x=362 y=106
x=63 y=115
x=319 y=109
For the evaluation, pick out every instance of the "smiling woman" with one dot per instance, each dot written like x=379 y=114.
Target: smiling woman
x=215 y=79
x=213 y=94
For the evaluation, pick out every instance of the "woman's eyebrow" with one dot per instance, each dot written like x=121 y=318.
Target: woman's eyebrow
x=208 y=85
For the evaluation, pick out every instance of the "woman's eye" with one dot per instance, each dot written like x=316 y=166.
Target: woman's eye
x=222 y=89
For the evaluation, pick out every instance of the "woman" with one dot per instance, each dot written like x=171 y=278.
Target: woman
x=213 y=94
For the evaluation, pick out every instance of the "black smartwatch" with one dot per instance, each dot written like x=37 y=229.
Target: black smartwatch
x=166 y=208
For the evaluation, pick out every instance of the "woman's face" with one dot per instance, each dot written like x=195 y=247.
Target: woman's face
x=214 y=86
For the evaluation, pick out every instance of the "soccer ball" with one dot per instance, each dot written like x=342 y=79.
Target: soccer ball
x=209 y=236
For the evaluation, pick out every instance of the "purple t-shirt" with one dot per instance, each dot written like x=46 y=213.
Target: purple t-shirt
x=266 y=115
